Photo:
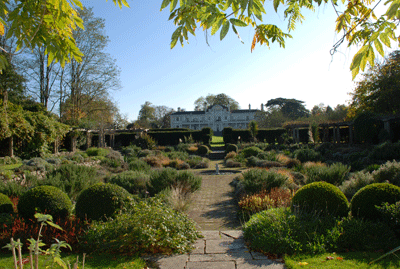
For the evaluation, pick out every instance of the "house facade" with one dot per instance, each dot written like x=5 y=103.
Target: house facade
x=217 y=117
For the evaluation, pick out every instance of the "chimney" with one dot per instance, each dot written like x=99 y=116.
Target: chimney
x=249 y=106
x=205 y=106
x=179 y=109
x=262 y=107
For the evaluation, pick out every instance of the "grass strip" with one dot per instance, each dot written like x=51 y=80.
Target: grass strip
x=349 y=260
x=97 y=261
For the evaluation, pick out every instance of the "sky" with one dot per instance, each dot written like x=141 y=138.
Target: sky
x=150 y=71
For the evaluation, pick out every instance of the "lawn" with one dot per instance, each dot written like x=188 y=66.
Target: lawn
x=101 y=261
x=350 y=260
x=217 y=141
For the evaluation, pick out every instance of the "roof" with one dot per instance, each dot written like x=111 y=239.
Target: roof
x=189 y=113
x=244 y=110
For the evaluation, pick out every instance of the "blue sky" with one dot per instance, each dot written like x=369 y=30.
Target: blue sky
x=151 y=71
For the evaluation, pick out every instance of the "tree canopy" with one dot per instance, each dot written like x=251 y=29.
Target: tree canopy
x=220 y=99
x=43 y=23
x=357 y=23
x=290 y=108
x=379 y=89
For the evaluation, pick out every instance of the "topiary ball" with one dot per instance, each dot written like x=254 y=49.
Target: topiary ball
x=363 y=203
x=6 y=206
x=231 y=147
x=321 y=197
x=44 y=199
x=203 y=150
x=101 y=201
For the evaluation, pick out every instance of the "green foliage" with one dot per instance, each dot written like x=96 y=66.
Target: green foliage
x=150 y=227
x=256 y=180
x=365 y=235
x=385 y=151
x=170 y=178
x=367 y=127
x=138 y=165
x=253 y=126
x=71 y=178
x=307 y=155
x=391 y=215
x=230 y=148
x=378 y=91
x=44 y=199
x=279 y=231
x=320 y=198
x=335 y=173
x=101 y=201
x=388 y=172
x=203 y=150
x=356 y=181
x=277 y=197
x=6 y=206
x=251 y=151
x=97 y=152
x=135 y=182
x=12 y=188
x=364 y=202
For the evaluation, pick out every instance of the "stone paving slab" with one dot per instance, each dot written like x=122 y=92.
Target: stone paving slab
x=211 y=265
x=218 y=250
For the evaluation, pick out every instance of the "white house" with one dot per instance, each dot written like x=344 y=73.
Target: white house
x=217 y=117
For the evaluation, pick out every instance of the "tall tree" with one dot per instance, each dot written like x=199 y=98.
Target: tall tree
x=290 y=108
x=379 y=89
x=42 y=23
x=93 y=78
x=202 y=103
x=146 y=115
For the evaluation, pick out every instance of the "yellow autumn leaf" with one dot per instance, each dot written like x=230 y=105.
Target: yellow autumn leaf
x=1 y=29
x=303 y=263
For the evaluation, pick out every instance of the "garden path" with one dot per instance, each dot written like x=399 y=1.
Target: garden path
x=213 y=207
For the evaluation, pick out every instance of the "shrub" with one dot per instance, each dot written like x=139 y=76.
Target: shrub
x=365 y=235
x=391 y=215
x=202 y=164
x=356 y=181
x=230 y=155
x=194 y=160
x=385 y=151
x=252 y=161
x=97 y=152
x=139 y=165
x=6 y=206
x=72 y=230
x=12 y=188
x=263 y=200
x=388 y=172
x=232 y=163
x=250 y=151
x=135 y=182
x=183 y=166
x=150 y=227
x=267 y=164
x=334 y=174
x=307 y=155
x=279 y=231
x=71 y=179
x=101 y=201
x=203 y=150
x=364 y=202
x=187 y=181
x=44 y=199
x=166 y=178
x=161 y=179
x=321 y=198
x=256 y=180
x=231 y=148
